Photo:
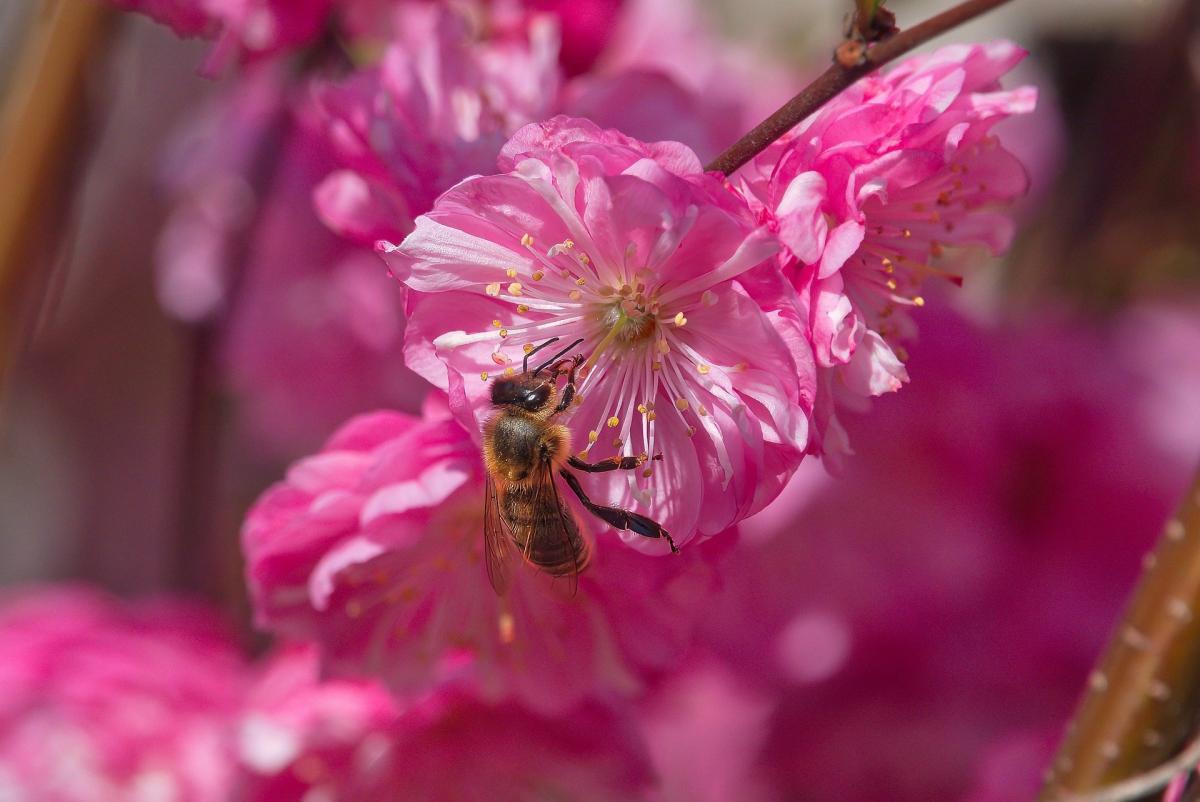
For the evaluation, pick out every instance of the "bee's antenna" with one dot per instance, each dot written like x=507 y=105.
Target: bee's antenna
x=532 y=351
x=555 y=358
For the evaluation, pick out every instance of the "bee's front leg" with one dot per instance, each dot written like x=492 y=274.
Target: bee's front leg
x=620 y=518
x=569 y=366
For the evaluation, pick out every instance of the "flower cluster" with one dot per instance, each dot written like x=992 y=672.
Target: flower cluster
x=879 y=190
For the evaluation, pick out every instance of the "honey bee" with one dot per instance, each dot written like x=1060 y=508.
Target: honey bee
x=523 y=448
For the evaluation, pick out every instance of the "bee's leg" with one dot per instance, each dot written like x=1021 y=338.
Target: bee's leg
x=617 y=517
x=569 y=365
x=610 y=464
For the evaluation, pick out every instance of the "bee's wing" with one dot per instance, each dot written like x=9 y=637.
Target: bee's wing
x=496 y=539
x=560 y=532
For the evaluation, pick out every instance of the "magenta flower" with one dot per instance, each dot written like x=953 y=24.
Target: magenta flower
x=103 y=703
x=631 y=247
x=343 y=741
x=436 y=109
x=373 y=549
x=873 y=193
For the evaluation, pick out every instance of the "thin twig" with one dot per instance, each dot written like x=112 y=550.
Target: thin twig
x=1144 y=784
x=837 y=78
x=1141 y=699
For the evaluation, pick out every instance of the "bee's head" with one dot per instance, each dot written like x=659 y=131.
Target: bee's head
x=526 y=391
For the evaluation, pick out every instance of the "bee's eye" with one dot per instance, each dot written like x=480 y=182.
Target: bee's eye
x=535 y=398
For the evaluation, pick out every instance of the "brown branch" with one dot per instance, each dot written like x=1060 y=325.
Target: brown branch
x=1140 y=703
x=837 y=78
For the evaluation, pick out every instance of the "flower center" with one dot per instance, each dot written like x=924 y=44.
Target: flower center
x=628 y=313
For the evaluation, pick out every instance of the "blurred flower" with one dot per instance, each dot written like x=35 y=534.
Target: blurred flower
x=344 y=741
x=243 y=246
x=933 y=633
x=435 y=110
x=868 y=194
x=373 y=548
x=631 y=247
x=104 y=703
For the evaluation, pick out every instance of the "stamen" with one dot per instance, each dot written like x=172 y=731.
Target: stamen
x=538 y=275
x=704 y=372
x=681 y=404
x=522 y=308
x=496 y=324
x=526 y=239
x=493 y=289
x=527 y=347
x=484 y=375
x=680 y=320
x=614 y=422
x=511 y=272
x=514 y=289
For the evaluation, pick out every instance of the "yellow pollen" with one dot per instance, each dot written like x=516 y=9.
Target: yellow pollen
x=503 y=333
x=526 y=239
x=568 y=244
x=574 y=295
x=497 y=358
x=886 y=262
x=614 y=422
x=647 y=473
x=680 y=320
x=650 y=416
x=703 y=369
x=511 y=272
x=514 y=289
x=522 y=308
x=891 y=284
x=496 y=324
x=484 y=375
x=509 y=372
x=663 y=347
x=538 y=275
x=580 y=281
x=681 y=404
x=919 y=301
x=506 y=624
x=593 y=436
x=708 y=298
x=583 y=257
x=492 y=289
x=583 y=454
x=527 y=347
x=642 y=409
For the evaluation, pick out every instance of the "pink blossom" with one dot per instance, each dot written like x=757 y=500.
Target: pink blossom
x=373 y=549
x=105 y=703
x=870 y=195
x=243 y=246
x=590 y=234
x=436 y=109
x=345 y=741
x=936 y=631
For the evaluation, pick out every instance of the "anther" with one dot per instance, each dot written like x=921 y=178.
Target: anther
x=522 y=308
x=614 y=422
x=703 y=369
x=618 y=442
x=681 y=404
x=526 y=239
x=538 y=275
x=582 y=281
x=484 y=375
x=503 y=333
x=680 y=320
x=574 y=295
x=514 y=289
x=511 y=272
x=647 y=473
x=496 y=324
x=605 y=290
x=493 y=289
x=593 y=436
x=918 y=301
x=509 y=371
x=651 y=415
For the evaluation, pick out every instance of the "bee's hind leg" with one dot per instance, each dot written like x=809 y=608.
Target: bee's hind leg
x=617 y=517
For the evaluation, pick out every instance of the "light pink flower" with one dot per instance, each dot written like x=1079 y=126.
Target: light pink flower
x=243 y=245
x=591 y=234
x=344 y=741
x=436 y=109
x=373 y=548
x=105 y=703
x=872 y=192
